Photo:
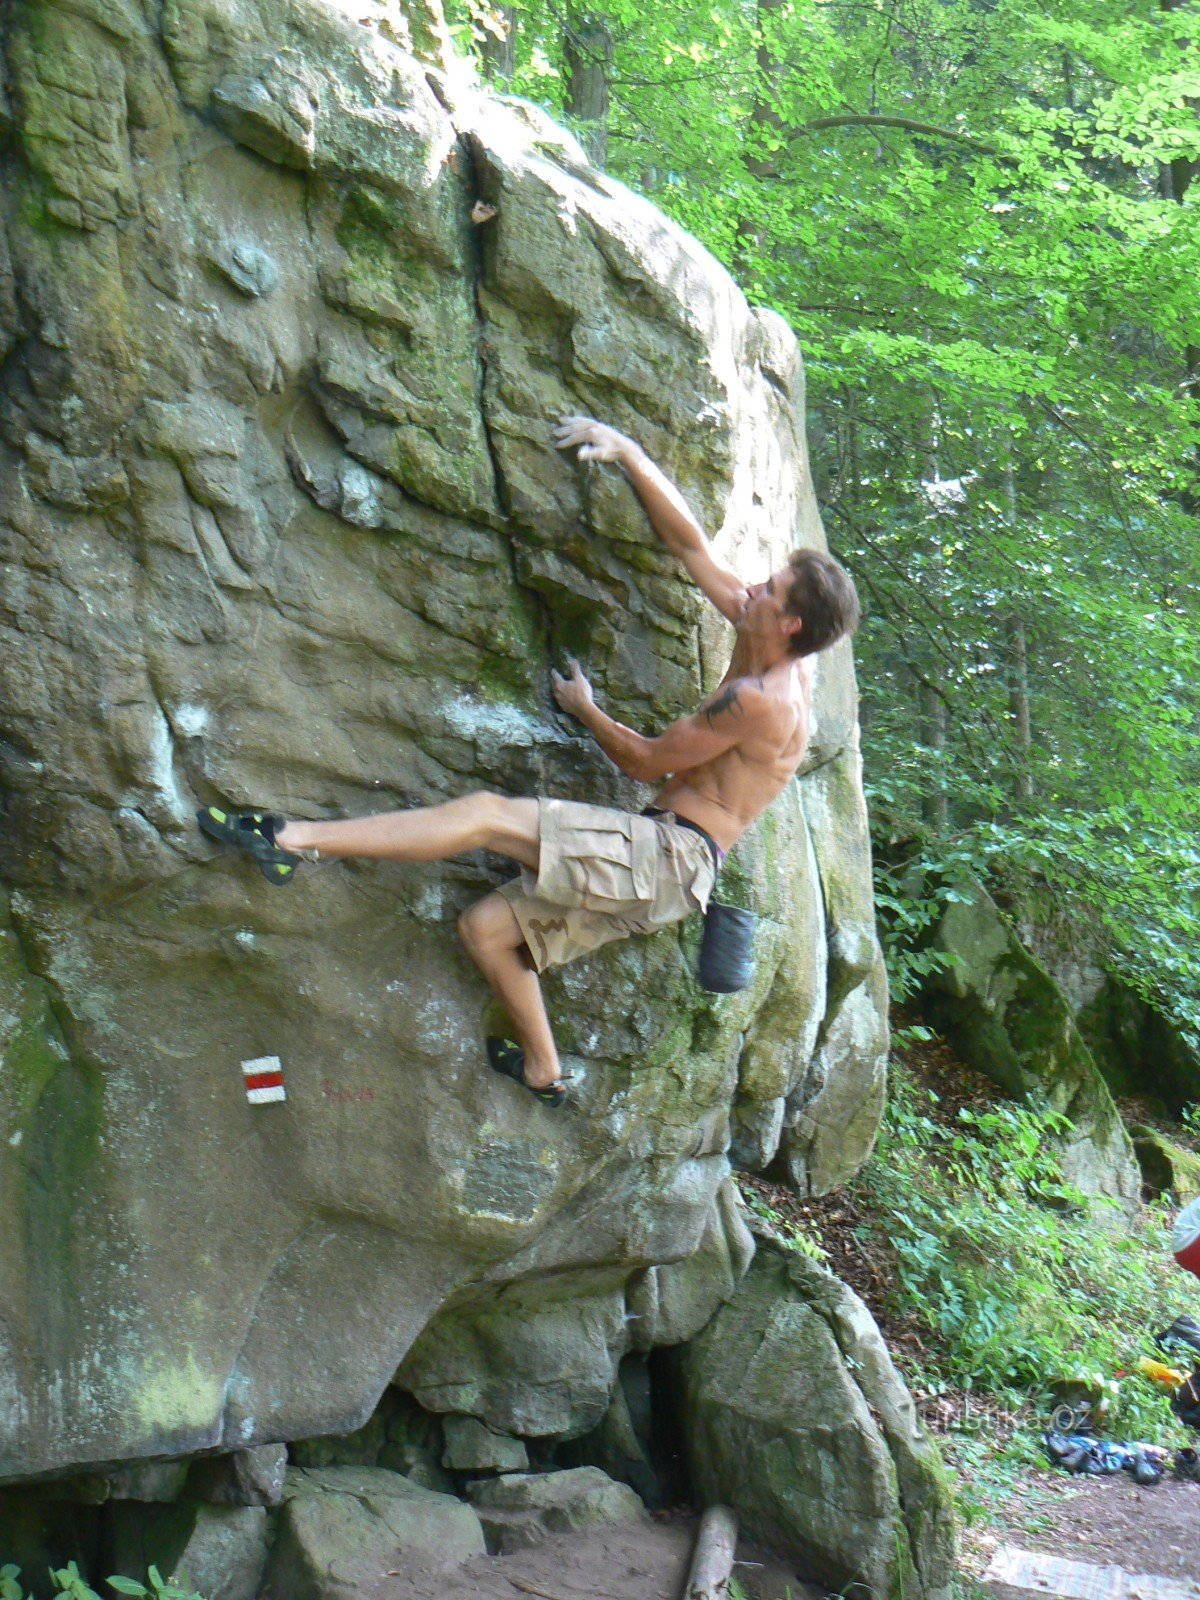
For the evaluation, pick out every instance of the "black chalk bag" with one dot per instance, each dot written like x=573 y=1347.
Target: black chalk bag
x=727 y=949
x=726 y=961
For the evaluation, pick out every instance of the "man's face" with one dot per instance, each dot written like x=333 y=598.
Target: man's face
x=763 y=614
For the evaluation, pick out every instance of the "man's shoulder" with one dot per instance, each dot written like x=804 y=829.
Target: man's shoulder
x=740 y=698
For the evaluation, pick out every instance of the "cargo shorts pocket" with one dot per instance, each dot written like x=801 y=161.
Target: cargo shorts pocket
x=610 y=867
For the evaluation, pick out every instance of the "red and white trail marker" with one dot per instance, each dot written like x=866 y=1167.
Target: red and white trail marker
x=264 y=1080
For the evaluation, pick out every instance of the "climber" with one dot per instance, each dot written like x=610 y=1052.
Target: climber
x=591 y=874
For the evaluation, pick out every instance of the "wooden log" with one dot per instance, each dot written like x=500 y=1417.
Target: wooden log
x=712 y=1558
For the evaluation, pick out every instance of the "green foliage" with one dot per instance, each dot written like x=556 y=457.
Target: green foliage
x=178 y=1588
x=69 y=1581
x=995 y=1253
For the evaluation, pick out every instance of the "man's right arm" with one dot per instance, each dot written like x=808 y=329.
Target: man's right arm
x=664 y=505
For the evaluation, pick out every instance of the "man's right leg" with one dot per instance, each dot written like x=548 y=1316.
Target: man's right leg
x=481 y=821
x=495 y=943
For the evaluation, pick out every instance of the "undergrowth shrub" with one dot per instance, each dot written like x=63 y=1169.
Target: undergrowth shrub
x=1019 y=1283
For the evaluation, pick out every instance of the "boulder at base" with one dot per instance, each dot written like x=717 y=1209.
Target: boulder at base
x=222 y=1549
x=1008 y=1018
x=342 y=1530
x=794 y=1415
x=523 y=1509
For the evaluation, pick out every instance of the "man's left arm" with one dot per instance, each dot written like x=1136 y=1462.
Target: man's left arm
x=721 y=722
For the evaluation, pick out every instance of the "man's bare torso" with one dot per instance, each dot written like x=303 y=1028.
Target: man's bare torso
x=725 y=795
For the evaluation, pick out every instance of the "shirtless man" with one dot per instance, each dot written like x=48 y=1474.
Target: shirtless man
x=591 y=874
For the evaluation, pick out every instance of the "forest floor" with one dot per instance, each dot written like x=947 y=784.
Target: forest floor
x=1098 y=1521
x=643 y=1560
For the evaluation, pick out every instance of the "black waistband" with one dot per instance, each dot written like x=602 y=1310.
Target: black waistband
x=718 y=855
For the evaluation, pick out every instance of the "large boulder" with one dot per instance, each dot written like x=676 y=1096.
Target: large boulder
x=343 y=1530
x=280 y=522
x=1140 y=1049
x=1009 y=1019
x=1167 y=1167
x=794 y=1414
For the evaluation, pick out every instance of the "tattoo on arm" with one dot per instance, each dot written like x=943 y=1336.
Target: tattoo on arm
x=727 y=700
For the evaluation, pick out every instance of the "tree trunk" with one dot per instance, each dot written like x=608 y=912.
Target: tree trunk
x=1174 y=181
x=712 y=1559
x=500 y=55
x=1017 y=641
x=935 y=724
x=764 y=120
x=934 y=717
x=588 y=54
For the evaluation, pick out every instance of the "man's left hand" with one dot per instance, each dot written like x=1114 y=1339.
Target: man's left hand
x=574 y=693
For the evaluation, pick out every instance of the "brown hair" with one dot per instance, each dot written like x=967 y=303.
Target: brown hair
x=823 y=596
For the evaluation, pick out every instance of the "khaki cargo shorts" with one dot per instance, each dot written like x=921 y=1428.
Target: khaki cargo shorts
x=604 y=875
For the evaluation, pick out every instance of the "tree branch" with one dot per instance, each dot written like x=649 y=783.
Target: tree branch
x=926 y=130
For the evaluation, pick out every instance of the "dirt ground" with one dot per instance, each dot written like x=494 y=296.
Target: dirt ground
x=1102 y=1521
x=631 y=1561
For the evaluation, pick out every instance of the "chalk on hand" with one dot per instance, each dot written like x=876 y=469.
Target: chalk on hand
x=264 y=1080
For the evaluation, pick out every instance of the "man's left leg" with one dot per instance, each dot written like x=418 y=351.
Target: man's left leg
x=494 y=941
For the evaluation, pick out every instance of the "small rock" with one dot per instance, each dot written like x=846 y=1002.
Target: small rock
x=245 y=1478
x=249 y=269
x=471 y=1446
x=342 y=1530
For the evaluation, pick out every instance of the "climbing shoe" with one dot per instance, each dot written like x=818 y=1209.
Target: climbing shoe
x=506 y=1057
x=254 y=833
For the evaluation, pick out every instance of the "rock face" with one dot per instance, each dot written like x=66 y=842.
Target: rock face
x=1009 y=1019
x=795 y=1415
x=280 y=523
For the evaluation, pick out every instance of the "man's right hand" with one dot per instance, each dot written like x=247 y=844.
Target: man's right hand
x=595 y=441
